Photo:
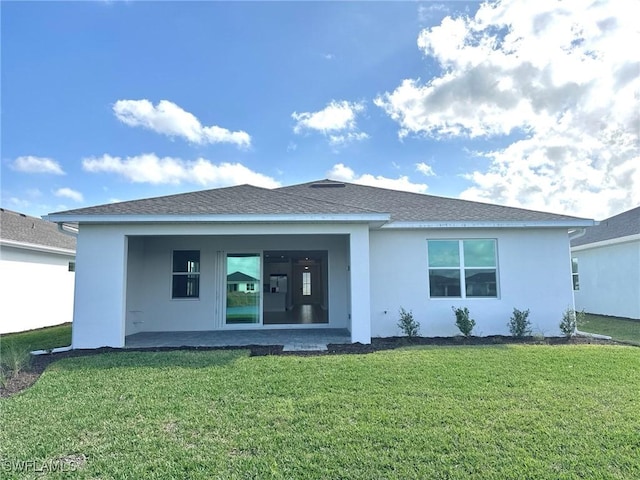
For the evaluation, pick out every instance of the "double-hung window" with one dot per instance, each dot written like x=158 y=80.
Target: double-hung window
x=574 y=274
x=186 y=274
x=463 y=268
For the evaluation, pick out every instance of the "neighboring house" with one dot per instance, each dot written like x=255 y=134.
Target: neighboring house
x=351 y=255
x=241 y=282
x=606 y=266
x=37 y=264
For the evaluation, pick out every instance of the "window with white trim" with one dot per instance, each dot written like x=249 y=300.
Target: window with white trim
x=463 y=268
x=186 y=274
x=574 y=274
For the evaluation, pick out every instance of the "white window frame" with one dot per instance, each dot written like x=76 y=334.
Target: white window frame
x=461 y=268
x=174 y=274
x=575 y=276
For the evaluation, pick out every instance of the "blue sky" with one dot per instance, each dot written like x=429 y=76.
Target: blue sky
x=531 y=104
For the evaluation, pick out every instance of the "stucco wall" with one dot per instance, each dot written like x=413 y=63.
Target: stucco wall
x=533 y=272
x=123 y=276
x=149 y=303
x=36 y=289
x=609 y=279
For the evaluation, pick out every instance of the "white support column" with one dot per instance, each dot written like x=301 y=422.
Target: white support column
x=360 y=285
x=100 y=296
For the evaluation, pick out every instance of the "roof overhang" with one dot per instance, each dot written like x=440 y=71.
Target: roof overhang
x=607 y=243
x=373 y=219
x=36 y=247
x=490 y=224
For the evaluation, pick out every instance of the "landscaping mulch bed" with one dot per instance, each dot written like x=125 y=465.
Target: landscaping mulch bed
x=39 y=363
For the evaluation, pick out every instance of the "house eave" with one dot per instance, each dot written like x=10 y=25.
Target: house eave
x=37 y=248
x=373 y=219
x=489 y=224
x=607 y=243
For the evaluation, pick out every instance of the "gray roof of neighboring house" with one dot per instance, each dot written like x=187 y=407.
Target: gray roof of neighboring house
x=17 y=227
x=321 y=197
x=240 y=277
x=622 y=225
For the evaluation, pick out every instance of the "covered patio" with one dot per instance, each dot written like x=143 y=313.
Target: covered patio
x=291 y=339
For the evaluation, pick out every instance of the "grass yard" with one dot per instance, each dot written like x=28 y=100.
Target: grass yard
x=517 y=411
x=41 y=339
x=617 y=328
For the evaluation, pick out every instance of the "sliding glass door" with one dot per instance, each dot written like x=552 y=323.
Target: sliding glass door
x=243 y=288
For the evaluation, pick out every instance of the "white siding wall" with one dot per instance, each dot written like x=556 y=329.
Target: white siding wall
x=533 y=268
x=36 y=289
x=609 y=279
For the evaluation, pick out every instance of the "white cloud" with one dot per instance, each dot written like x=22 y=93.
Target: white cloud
x=343 y=173
x=337 y=121
x=31 y=164
x=69 y=193
x=425 y=169
x=149 y=168
x=560 y=77
x=348 y=137
x=19 y=202
x=169 y=119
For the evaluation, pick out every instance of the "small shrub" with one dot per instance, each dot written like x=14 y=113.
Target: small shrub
x=13 y=360
x=571 y=320
x=464 y=323
x=519 y=324
x=409 y=326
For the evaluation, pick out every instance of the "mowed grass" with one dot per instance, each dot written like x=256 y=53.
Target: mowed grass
x=40 y=339
x=555 y=412
x=617 y=328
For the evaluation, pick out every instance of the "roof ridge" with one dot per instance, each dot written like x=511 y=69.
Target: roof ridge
x=370 y=210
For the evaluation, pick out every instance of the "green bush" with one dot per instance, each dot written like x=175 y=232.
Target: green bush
x=409 y=326
x=519 y=324
x=571 y=320
x=464 y=323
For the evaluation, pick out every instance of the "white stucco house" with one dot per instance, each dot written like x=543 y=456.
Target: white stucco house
x=606 y=266
x=37 y=264
x=327 y=255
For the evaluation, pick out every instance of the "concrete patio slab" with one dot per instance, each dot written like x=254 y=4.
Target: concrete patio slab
x=239 y=338
x=305 y=347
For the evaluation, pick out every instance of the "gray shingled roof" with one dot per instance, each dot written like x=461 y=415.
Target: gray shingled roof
x=416 y=207
x=622 y=225
x=238 y=200
x=18 y=227
x=321 y=197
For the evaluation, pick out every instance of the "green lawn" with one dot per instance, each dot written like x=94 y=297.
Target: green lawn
x=41 y=339
x=517 y=411
x=617 y=328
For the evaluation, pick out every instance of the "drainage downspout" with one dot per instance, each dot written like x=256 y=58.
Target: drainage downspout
x=577 y=233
